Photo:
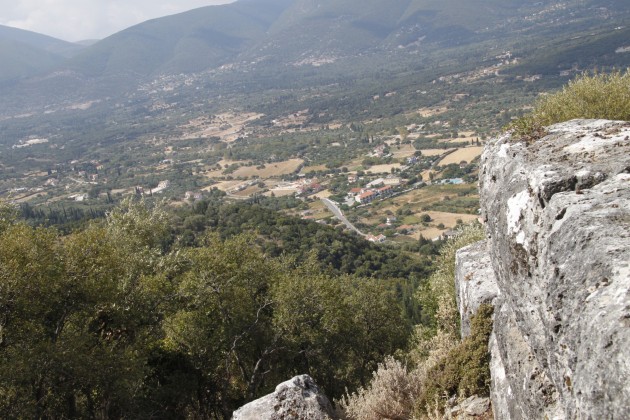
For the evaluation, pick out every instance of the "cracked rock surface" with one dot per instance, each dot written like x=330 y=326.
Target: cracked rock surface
x=558 y=218
x=296 y=399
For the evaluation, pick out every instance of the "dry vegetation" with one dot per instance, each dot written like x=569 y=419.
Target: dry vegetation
x=434 y=152
x=404 y=151
x=227 y=126
x=315 y=168
x=270 y=170
x=382 y=169
x=438 y=365
x=450 y=219
x=467 y=154
x=425 y=196
x=430 y=112
x=605 y=96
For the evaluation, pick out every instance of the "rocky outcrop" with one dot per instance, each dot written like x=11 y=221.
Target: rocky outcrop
x=296 y=399
x=557 y=212
x=477 y=283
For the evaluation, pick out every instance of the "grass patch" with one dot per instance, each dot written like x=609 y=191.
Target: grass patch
x=411 y=220
x=462 y=205
x=605 y=96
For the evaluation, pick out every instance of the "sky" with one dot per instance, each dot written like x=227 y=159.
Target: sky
x=76 y=20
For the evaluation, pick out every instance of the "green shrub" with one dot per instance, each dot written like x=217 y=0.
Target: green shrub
x=605 y=96
x=465 y=368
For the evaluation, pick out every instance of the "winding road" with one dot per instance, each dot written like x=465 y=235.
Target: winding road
x=339 y=215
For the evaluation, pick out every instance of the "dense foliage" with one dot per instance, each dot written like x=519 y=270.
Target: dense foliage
x=117 y=320
x=281 y=234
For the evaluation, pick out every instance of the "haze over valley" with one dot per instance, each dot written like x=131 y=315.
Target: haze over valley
x=414 y=208
x=277 y=97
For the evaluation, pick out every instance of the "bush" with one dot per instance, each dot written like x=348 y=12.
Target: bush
x=464 y=371
x=440 y=364
x=388 y=396
x=605 y=96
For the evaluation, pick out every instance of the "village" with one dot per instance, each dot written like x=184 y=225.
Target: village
x=404 y=186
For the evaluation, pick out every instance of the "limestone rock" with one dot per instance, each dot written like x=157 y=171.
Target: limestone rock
x=558 y=215
x=475 y=282
x=296 y=399
x=471 y=408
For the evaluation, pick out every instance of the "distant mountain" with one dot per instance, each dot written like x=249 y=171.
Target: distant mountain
x=187 y=42
x=87 y=42
x=283 y=34
x=25 y=53
x=350 y=26
x=43 y=42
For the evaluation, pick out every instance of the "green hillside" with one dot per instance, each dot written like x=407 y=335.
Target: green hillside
x=43 y=42
x=186 y=42
x=21 y=60
x=278 y=44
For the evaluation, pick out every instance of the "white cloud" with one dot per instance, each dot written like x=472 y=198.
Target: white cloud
x=75 y=20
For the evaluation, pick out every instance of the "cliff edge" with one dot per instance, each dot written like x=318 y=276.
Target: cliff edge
x=556 y=265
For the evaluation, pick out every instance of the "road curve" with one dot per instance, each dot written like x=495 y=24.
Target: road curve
x=339 y=215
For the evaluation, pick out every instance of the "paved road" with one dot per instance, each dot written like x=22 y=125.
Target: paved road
x=339 y=215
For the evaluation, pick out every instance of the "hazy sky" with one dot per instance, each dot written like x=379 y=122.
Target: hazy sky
x=75 y=20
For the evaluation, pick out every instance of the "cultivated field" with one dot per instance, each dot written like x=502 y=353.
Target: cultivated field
x=280 y=192
x=428 y=233
x=382 y=169
x=434 y=152
x=270 y=170
x=248 y=191
x=425 y=197
x=322 y=194
x=465 y=136
x=467 y=154
x=450 y=219
x=227 y=126
x=309 y=169
x=224 y=186
x=405 y=151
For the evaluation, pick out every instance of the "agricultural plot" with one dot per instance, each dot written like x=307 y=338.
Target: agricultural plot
x=315 y=168
x=467 y=154
x=382 y=169
x=270 y=170
x=449 y=220
x=434 y=152
x=227 y=126
x=428 y=233
x=405 y=151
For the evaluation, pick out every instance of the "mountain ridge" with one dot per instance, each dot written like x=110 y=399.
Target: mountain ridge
x=282 y=36
x=26 y=53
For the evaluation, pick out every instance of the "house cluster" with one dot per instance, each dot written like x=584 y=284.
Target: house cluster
x=379 y=188
x=162 y=185
x=379 y=151
x=196 y=196
x=308 y=187
x=376 y=239
x=367 y=195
